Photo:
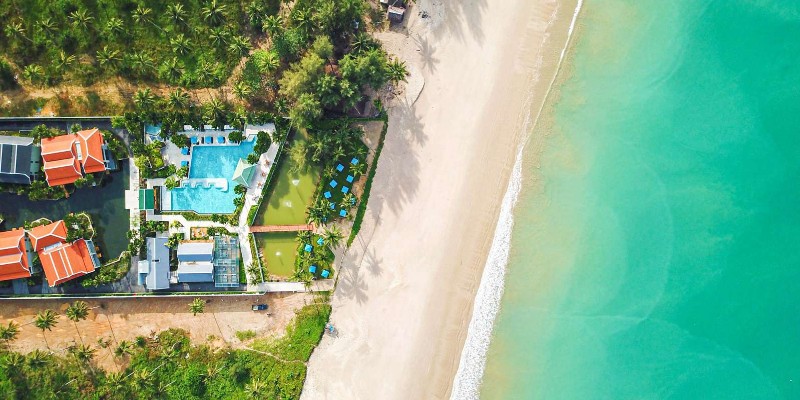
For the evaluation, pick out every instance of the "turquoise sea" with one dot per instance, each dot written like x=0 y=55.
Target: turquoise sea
x=655 y=252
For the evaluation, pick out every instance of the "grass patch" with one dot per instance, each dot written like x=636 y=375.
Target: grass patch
x=302 y=335
x=245 y=335
x=362 y=206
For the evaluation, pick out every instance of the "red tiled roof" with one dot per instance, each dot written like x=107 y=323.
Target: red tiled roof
x=58 y=147
x=13 y=255
x=92 y=150
x=48 y=235
x=66 y=262
x=62 y=172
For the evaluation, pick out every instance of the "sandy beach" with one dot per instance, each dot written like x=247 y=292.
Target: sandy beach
x=407 y=285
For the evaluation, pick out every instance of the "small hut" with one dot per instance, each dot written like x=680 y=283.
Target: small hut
x=396 y=14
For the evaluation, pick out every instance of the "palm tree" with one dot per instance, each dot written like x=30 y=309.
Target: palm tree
x=303 y=20
x=197 y=306
x=214 y=13
x=48 y=26
x=14 y=361
x=273 y=24
x=177 y=14
x=78 y=311
x=180 y=44
x=333 y=236
x=173 y=70
x=115 y=381
x=178 y=99
x=396 y=71
x=239 y=46
x=215 y=112
x=144 y=99
x=115 y=27
x=16 y=30
x=348 y=201
x=317 y=214
x=37 y=358
x=218 y=36
x=142 y=14
x=45 y=320
x=80 y=18
x=109 y=58
x=9 y=332
x=143 y=378
x=303 y=237
x=124 y=349
x=142 y=63
x=83 y=353
x=64 y=61
x=241 y=90
x=359 y=168
x=361 y=42
x=269 y=63
x=255 y=389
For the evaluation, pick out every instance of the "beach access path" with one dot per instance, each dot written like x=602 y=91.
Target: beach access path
x=406 y=286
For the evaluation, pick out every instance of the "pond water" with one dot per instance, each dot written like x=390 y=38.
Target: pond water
x=279 y=251
x=105 y=204
x=291 y=194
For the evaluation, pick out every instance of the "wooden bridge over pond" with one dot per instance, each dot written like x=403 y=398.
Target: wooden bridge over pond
x=280 y=228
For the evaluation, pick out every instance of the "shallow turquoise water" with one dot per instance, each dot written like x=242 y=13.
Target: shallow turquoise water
x=211 y=162
x=655 y=252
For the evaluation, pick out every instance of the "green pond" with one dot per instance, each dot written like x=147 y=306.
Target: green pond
x=105 y=204
x=290 y=195
x=279 y=251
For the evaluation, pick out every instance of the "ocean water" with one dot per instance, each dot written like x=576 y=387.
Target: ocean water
x=655 y=252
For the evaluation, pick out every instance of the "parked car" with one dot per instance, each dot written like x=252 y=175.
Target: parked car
x=260 y=307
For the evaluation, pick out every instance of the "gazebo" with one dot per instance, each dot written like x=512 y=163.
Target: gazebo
x=244 y=173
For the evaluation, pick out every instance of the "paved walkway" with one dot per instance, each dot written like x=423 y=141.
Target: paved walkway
x=281 y=228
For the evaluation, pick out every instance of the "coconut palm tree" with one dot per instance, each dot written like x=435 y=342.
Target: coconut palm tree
x=45 y=320
x=80 y=18
x=255 y=388
x=348 y=200
x=15 y=30
x=303 y=20
x=14 y=361
x=115 y=27
x=239 y=46
x=109 y=58
x=303 y=237
x=177 y=14
x=83 y=353
x=143 y=14
x=197 y=306
x=173 y=70
x=272 y=25
x=48 y=26
x=178 y=99
x=63 y=62
x=361 y=42
x=214 y=13
x=396 y=71
x=241 y=90
x=78 y=311
x=269 y=63
x=115 y=381
x=144 y=99
x=124 y=349
x=359 y=168
x=180 y=44
x=37 y=359
x=9 y=332
x=215 y=112
x=34 y=74
x=333 y=236
x=218 y=36
x=142 y=63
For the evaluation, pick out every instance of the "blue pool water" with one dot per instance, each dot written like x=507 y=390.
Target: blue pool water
x=211 y=162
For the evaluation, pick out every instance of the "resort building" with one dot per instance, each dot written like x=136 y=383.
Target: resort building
x=68 y=157
x=154 y=271
x=62 y=261
x=14 y=262
x=19 y=160
x=195 y=262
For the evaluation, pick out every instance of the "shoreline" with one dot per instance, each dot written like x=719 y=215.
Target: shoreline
x=488 y=299
x=403 y=306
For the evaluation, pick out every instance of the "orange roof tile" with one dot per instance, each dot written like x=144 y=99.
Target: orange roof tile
x=62 y=172
x=58 y=147
x=13 y=255
x=48 y=235
x=92 y=150
x=66 y=262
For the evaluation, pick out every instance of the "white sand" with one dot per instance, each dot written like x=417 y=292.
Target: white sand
x=406 y=286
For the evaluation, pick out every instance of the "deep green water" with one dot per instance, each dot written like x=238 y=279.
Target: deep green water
x=655 y=253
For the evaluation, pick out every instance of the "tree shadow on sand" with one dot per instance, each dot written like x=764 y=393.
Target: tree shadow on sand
x=352 y=286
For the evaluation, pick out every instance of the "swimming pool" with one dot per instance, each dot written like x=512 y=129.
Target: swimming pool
x=211 y=162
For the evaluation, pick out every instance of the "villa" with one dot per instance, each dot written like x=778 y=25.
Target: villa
x=62 y=261
x=68 y=158
x=195 y=261
x=19 y=160
x=14 y=262
x=154 y=271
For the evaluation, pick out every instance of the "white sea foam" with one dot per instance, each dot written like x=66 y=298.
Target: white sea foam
x=467 y=382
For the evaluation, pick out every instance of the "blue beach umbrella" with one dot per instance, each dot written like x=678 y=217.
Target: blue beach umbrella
x=308 y=248
x=354 y=161
x=325 y=273
x=349 y=178
x=340 y=167
x=312 y=269
x=327 y=195
x=320 y=241
x=333 y=184
x=342 y=213
x=345 y=189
